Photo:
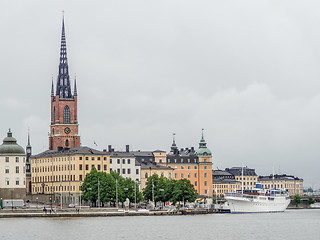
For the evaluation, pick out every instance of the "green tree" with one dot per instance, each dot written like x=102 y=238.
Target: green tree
x=296 y=200
x=90 y=186
x=183 y=191
x=311 y=200
x=151 y=184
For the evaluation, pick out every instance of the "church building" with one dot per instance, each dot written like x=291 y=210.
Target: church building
x=64 y=119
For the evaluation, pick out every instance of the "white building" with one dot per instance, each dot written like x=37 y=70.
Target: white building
x=12 y=169
x=125 y=164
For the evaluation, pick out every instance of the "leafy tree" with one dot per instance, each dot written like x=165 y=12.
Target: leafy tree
x=183 y=191
x=108 y=187
x=90 y=186
x=296 y=200
x=311 y=200
x=151 y=184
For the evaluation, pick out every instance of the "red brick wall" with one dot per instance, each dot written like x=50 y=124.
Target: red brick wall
x=58 y=136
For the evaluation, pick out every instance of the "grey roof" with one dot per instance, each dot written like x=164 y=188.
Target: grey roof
x=69 y=151
x=237 y=171
x=149 y=164
x=120 y=154
x=278 y=177
x=225 y=181
x=220 y=173
x=142 y=153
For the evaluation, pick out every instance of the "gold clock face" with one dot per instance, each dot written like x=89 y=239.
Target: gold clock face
x=67 y=130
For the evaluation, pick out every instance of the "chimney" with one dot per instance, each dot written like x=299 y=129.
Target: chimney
x=104 y=150
x=109 y=148
x=192 y=149
x=127 y=148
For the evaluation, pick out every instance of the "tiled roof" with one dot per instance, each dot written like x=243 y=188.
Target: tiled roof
x=69 y=152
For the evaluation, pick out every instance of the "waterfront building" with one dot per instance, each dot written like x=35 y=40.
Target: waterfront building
x=64 y=119
x=12 y=169
x=224 y=185
x=139 y=165
x=292 y=184
x=224 y=182
x=59 y=173
x=195 y=166
x=151 y=163
x=249 y=176
x=124 y=162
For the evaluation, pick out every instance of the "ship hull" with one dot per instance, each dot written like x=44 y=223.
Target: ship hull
x=257 y=205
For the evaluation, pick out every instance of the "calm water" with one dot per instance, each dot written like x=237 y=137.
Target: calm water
x=294 y=224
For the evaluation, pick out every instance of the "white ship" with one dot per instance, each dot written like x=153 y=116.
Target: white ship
x=258 y=200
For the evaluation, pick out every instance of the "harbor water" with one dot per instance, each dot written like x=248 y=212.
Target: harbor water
x=291 y=224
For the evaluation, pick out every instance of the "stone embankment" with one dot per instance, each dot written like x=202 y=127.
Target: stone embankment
x=26 y=213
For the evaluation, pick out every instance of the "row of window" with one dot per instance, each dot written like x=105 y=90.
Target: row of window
x=7 y=159
x=123 y=161
x=93 y=158
x=54 y=168
x=93 y=166
x=124 y=171
x=55 y=178
x=54 y=189
x=183 y=160
x=7 y=169
x=240 y=179
x=54 y=160
x=7 y=181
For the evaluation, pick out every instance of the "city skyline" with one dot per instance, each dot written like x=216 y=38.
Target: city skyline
x=144 y=71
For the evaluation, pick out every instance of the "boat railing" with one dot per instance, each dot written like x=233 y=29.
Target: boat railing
x=233 y=195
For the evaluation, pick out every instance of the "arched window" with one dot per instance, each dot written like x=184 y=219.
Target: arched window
x=54 y=115
x=66 y=115
x=67 y=143
x=146 y=176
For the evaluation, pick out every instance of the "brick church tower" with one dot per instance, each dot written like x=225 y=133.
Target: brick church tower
x=64 y=119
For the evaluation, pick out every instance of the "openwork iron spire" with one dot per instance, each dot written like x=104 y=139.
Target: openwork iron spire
x=63 y=81
x=75 y=93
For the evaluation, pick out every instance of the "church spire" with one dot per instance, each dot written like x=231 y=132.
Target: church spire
x=173 y=146
x=75 y=93
x=63 y=81
x=52 y=89
x=28 y=137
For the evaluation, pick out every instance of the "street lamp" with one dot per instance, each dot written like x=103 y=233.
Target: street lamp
x=89 y=189
x=98 y=192
x=162 y=190
x=80 y=196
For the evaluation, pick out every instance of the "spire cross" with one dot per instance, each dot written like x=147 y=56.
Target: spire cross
x=202 y=132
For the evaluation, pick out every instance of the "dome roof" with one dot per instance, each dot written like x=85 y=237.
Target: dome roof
x=10 y=146
x=203 y=150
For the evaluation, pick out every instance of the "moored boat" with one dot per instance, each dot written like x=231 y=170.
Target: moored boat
x=258 y=200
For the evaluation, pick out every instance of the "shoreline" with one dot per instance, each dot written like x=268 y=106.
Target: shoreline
x=71 y=213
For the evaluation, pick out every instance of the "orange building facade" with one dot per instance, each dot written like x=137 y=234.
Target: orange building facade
x=195 y=166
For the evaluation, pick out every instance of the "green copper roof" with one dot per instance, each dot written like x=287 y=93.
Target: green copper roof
x=10 y=146
x=203 y=150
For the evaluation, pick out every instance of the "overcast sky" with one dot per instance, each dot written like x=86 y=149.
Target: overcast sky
x=245 y=71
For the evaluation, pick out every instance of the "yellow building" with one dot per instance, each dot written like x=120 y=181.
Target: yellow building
x=293 y=185
x=249 y=178
x=223 y=185
x=59 y=173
